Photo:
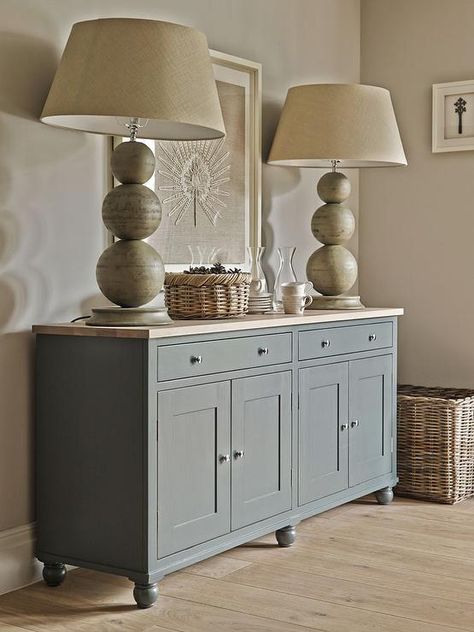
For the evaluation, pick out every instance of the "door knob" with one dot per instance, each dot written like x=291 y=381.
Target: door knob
x=344 y=427
x=224 y=458
x=355 y=423
x=238 y=454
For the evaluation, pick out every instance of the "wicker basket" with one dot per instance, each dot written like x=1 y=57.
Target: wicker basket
x=207 y=295
x=435 y=443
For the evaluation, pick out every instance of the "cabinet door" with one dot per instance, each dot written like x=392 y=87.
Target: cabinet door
x=193 y=478
x=261 y=447
x=323 y=431
x=370 y=416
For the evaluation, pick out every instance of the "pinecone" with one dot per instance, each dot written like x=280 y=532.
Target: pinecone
x=216 y=268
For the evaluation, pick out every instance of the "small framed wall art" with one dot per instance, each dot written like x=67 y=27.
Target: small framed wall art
x=453 y=116
x=210 y=191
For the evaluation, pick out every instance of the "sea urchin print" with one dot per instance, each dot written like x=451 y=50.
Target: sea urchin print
x=196 y=171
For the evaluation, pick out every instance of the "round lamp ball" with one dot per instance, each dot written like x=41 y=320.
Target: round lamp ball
x=132 y=163
x=332 y=270
x=334 y=187
x=130 y=273
x=131 y=211
x=333 y=224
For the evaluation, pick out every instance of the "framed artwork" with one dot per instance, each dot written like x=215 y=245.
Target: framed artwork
x=453 y=116
x=210 y=190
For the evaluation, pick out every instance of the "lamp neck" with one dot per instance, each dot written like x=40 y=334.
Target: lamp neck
x=133 y=126
x=334 y=165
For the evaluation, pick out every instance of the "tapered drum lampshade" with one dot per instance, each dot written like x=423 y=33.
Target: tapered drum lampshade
x=120 y=76
x=336 y=125
x=116 y=69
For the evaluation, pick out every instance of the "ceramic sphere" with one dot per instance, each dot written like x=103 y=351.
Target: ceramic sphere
x=132 y=163
x=334 y=187
x=130 y=273
x=332 y=270
x=131 y=211
x=333 y=224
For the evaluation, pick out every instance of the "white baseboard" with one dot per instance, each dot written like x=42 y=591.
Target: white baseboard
x=18 y=567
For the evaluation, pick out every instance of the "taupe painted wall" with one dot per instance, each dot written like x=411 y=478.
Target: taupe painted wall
x=417 y=223
x=52 y=181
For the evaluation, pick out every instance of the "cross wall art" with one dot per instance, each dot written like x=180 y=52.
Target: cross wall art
x=453 y=116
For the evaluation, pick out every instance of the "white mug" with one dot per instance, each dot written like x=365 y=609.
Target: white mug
x=295 y=304
x=296 y=288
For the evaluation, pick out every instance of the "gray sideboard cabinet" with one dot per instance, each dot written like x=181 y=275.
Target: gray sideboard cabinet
x=157 y=448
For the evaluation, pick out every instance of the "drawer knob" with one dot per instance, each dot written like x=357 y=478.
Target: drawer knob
x=372 y=337
x=325 y=344
x=355 y=423
x=239 y=454
x=196 y=359
x=263 y=351
x=224 y=458
x=344 y=427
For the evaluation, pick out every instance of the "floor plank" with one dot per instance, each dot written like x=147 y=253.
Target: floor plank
x=405 y=556
x=407 y=521
x=6 y=627
x=371 y=570
x=360 y=568
x=401 y=531
x=217 y=567
x=289 y=608
x=423 y=540
x=437 y=610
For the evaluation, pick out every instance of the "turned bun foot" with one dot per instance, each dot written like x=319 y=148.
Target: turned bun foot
x=145 y=595
x=54 y=574
x=286 y=536
x=384 y=496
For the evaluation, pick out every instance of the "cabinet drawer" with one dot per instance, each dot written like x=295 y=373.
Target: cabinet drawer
x=321 y=343
x=201 y=358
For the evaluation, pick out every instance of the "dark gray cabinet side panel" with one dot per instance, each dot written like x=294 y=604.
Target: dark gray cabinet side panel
x=261 y=430
x=193 y=479
x=370 y=408
x=91 y=415
x=323 y=432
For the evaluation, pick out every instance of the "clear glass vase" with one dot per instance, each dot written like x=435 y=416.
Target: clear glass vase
x=202 y=255
x=258 y=284
x=286 y=274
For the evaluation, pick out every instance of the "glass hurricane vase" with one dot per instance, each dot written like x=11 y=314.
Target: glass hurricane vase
x=286 y=274
x=258 y=283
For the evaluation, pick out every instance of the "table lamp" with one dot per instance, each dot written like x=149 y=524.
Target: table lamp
x=153 y=78
x=336 y=125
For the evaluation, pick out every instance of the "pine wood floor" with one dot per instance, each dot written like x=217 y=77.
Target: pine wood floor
x=407 y=567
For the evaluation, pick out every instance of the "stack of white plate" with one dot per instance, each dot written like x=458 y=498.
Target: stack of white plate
x=260 y=303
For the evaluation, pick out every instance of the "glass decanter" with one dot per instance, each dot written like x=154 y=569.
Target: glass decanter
x=258 y=283
x=286 y=274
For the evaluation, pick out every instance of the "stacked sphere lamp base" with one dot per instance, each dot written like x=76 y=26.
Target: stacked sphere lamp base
x=130 y=273
x=332 y=268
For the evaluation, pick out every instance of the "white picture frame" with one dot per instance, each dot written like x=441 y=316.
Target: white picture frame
x=249 y=73
x=448 y=132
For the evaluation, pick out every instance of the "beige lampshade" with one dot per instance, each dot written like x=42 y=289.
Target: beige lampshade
x=348 y=122
x=119 y=68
